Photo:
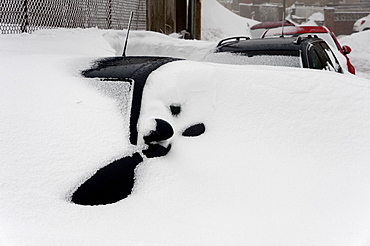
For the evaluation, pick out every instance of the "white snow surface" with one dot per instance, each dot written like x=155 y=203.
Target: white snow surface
x=360 y=55
x=284 y=159
x=219 y=22
x=318 y=16
x=145 y=43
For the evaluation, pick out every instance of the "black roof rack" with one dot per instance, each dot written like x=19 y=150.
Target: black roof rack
x=298 y=40
x=314 y=36
x=235 y=40
x=267 y=44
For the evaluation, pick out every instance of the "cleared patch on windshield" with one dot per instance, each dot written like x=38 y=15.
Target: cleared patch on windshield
x=238 y=59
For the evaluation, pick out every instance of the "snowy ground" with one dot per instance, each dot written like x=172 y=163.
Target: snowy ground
x=284 y=159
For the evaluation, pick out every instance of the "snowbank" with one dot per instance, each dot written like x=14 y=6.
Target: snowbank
x=313 y=19
x=284 y=156
x=360 y=55
x=218 y=22
x=144 y=43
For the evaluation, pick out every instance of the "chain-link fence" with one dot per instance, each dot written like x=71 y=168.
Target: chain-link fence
x=17 y=16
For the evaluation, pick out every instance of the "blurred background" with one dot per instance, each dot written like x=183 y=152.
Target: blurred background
x=338 y=15
x=175 y=16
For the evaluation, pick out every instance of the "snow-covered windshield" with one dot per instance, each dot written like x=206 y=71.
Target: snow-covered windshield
x=263 y=59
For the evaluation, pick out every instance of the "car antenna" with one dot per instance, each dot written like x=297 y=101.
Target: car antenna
x=282 y=25
x=128 y=31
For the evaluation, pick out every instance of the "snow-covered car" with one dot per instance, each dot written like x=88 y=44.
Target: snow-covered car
x=283 y=159
x=320 y=31
x=362 y=24
x=313 y=53
x=115 y=181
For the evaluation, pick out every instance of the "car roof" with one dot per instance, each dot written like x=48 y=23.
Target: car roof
x=296 y=30
x=259 y=44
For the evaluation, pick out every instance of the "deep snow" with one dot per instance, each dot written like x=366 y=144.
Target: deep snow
x=284 y=159
x=218 y=22
x=360 y=55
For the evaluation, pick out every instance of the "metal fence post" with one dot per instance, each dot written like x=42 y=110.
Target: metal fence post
x=25 y=22
x=109 y=14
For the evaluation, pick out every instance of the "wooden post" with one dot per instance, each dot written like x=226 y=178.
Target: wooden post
x=155 y=15
x=198 y=18
x=170 y=16
x=180 y=15
x=161 y=16
x=194 y=18
x=190 y=17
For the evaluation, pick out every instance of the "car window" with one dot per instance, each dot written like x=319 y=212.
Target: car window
x=333 y=59
x=290 y=59
x=321 y=57
x=315 y=60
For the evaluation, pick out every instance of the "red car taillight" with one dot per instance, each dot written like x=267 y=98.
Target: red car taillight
x=362 y=22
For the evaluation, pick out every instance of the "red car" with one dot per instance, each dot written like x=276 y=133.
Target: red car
x=260 y=28
x=320 y=31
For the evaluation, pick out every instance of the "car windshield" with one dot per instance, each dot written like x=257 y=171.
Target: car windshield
x=251 y=58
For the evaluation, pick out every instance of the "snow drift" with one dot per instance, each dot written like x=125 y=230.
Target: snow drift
x=360 y=55
x=219 y=22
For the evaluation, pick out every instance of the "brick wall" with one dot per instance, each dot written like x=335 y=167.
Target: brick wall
x=340 y=19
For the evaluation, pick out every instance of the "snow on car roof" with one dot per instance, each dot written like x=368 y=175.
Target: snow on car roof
x=271 y=24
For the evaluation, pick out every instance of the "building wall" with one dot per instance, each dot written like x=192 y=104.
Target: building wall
x=261 y=12
x=340 y=18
